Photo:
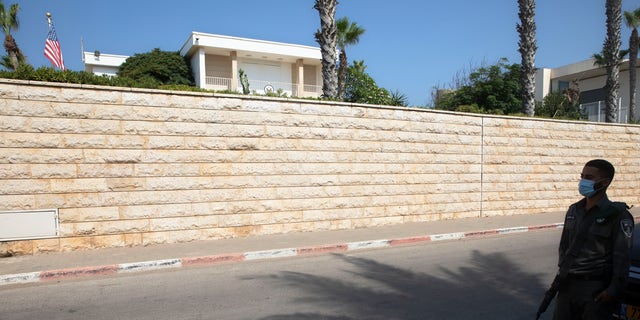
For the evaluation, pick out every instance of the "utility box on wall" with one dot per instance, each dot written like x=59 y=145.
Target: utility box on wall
x=32 y=224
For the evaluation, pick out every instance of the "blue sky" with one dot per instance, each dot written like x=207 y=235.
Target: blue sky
x=409 y=45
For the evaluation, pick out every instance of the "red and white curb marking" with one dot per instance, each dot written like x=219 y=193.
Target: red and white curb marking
x=62 y=274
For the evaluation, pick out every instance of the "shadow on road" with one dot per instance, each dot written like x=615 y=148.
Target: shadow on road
x=490 y=287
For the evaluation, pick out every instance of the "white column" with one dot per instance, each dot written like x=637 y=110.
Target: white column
x=234 y=71
x=300 y=69
x=201 y=79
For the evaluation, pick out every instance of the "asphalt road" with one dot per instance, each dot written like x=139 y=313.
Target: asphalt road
x=497 y=277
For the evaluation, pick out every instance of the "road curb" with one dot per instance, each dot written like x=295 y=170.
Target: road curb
x=64 y=274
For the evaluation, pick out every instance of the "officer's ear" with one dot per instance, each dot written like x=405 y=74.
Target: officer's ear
x=604 y=183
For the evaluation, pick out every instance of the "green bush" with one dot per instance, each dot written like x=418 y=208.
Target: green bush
x=156 y=68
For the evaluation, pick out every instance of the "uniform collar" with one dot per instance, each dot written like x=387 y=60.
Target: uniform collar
x=602 y=204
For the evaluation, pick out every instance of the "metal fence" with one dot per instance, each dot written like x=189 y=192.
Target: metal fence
x=596 y=111
x=263 y=87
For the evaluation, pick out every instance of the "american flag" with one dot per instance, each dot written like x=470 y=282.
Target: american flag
x=52 y=48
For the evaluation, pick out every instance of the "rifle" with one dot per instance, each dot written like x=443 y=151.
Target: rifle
x=549 y=295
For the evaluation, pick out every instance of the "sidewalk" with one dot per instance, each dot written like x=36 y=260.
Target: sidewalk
x=58 y=266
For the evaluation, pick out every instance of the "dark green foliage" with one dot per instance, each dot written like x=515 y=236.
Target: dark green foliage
x=361 y=88
x=27 y=72
x=561 y=105
x=244 y=81
x=156 y=68
x=494 y=90
x=398 y=98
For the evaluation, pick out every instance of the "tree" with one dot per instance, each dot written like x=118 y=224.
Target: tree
x=397 y=98
x=527 y=48
x=632 y=19
x=348 y=34
x=359 y=66
x=562 y=105
x=493 y=89
x=327 y=38
x=157 y=68
x=9 y=20
x=598 y=58
x=611 y=52
x=361 y=88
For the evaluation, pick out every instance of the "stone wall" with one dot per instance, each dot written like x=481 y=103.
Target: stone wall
x=128 y=167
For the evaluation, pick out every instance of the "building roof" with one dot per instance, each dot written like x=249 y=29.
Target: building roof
x=249 y=48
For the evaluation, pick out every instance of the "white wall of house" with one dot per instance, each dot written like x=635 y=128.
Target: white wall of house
x=588 y=77
x=102 y=64
x=261 y=74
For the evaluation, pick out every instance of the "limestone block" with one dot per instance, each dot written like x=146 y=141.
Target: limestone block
x=64 y=125
x=167 y=169
x=143 y=128
x=92 y=170
x=272 y=229
x=93 y=242
x=126 y=184
x=78 y=185
x=109 y=227
x=16 y=171
x=24 y=155
x=15 y=124
x=38 y=93
x=19 y=202
x=46 y=245
x=315 y=225
x=90 y=96
x=183 y=223
x=113 y=156
x=155 y=211
x=76 y=243
x=70 y=110
x=132 y=239
x=216 y=233
x=88 y=214
x=125 y=142
x=186 y=128
x=16 y=248
x=30 y=140
x=115 y=112
x=21 y=186
x=235 y=220
x=166 y=142
x=151 y=238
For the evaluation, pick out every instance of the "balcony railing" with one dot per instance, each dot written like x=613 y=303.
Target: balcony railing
x=264 y=87
x=217 y=83
x=596 y=111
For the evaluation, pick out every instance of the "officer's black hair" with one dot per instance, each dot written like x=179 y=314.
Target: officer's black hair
x=604 y=167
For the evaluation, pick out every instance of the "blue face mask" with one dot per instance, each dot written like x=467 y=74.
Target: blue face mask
x=586 y=188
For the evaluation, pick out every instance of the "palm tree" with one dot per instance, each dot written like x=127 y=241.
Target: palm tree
x=348 y=34
x=598 y=58
x=632 y=19
x=611 y=52
x=527 y=48
x=327 y=38
x=9 y=20
x=358 y=66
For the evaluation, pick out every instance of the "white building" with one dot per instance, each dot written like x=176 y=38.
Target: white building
x=102 y=64
x=590 y=80
x=216 y=61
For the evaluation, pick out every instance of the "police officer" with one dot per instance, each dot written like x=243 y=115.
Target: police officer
x=600 y=267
